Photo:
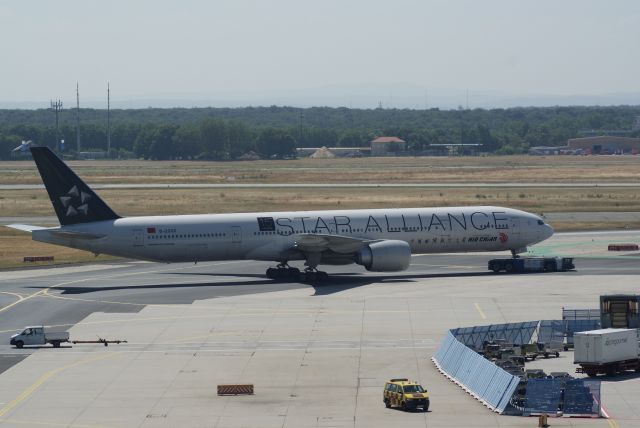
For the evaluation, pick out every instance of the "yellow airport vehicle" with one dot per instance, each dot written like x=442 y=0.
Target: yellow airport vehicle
x=405 y=394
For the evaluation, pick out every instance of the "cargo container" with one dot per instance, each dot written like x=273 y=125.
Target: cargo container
x=606 y=351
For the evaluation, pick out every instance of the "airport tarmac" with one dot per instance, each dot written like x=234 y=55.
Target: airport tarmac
x=318 y=356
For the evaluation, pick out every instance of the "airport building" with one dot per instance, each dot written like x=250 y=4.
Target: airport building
x=605 y=144
x=384 y=146
x=597 y=145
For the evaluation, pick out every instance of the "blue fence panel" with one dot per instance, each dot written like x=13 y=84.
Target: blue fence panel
x=543 y=396
x=444 y=346
x=582 y=397
x=551 y=331
x=508 y=393
x=581 y=314
x=516 y=333
x=498 y=385
x=495 y=387
x=483 y=379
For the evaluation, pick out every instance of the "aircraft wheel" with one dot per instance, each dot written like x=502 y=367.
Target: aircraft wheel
x=294 y=273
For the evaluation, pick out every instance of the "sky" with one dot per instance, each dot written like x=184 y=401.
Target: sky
x=354 y=53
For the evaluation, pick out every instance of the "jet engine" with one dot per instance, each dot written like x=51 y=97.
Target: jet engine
x=385 y=256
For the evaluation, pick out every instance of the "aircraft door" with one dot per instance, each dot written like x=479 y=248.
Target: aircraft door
x=515 y=229
x=236 y=235
x=138 y=238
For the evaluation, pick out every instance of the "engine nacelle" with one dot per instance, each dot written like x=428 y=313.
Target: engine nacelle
x=385 y=256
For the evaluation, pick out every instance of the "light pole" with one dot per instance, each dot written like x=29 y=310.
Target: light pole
x=56 y=106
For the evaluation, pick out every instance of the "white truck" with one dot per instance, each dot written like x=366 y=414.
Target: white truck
x=36 y=335
x=606 y=351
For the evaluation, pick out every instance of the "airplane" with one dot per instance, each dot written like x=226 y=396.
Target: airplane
x=380 y=240
x=22 y=147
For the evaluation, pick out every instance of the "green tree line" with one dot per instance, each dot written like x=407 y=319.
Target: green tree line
x=228 y=133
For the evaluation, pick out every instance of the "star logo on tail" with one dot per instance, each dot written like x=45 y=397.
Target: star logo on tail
x=76 y=202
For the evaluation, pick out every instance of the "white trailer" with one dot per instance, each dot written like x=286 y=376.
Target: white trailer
x=531 y=264
x=36 y=335
x=607 y=351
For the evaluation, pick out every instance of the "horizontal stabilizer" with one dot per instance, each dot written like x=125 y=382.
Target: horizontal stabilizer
x=26 y=227
x=68 y=234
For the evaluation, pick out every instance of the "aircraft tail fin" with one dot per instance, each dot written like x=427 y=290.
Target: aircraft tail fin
x=72 y=199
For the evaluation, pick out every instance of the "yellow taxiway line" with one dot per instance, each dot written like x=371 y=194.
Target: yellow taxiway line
x=45 y=291
x=484 y=317
x=48 y=375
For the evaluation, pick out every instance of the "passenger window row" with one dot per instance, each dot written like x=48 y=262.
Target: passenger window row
x=189 y=235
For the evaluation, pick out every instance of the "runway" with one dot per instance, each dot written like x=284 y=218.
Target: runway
x=518 y=185
x=318 y=355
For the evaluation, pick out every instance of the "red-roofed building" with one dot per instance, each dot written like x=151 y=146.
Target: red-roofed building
x=384 y=146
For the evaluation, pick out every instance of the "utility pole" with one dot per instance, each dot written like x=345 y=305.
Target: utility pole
x=108 y=121
x=56 y=106
x=78 y=118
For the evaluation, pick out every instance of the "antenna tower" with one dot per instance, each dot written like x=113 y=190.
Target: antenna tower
x=108 y=121
x=78 y=117
x=56 y=106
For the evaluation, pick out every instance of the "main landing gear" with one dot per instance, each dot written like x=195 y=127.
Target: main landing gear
x=313 y=275
x=285 y=272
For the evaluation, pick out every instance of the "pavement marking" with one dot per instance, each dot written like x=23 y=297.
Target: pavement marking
x=53 y=296
x=48 y=424
x=255 y=312
x=38 y=383
x=19 y=296
x=484 y=317
x=46 y=290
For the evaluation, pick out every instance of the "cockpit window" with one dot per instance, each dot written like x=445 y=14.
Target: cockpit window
x=412 y=388
x=540 y=222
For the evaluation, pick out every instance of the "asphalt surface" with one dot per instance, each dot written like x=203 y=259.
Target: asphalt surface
x=318 y=355
x=60 y=297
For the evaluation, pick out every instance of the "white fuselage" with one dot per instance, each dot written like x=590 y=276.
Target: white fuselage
x=273 y=236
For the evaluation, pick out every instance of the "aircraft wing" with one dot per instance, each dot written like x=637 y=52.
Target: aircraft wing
x=312 y=242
